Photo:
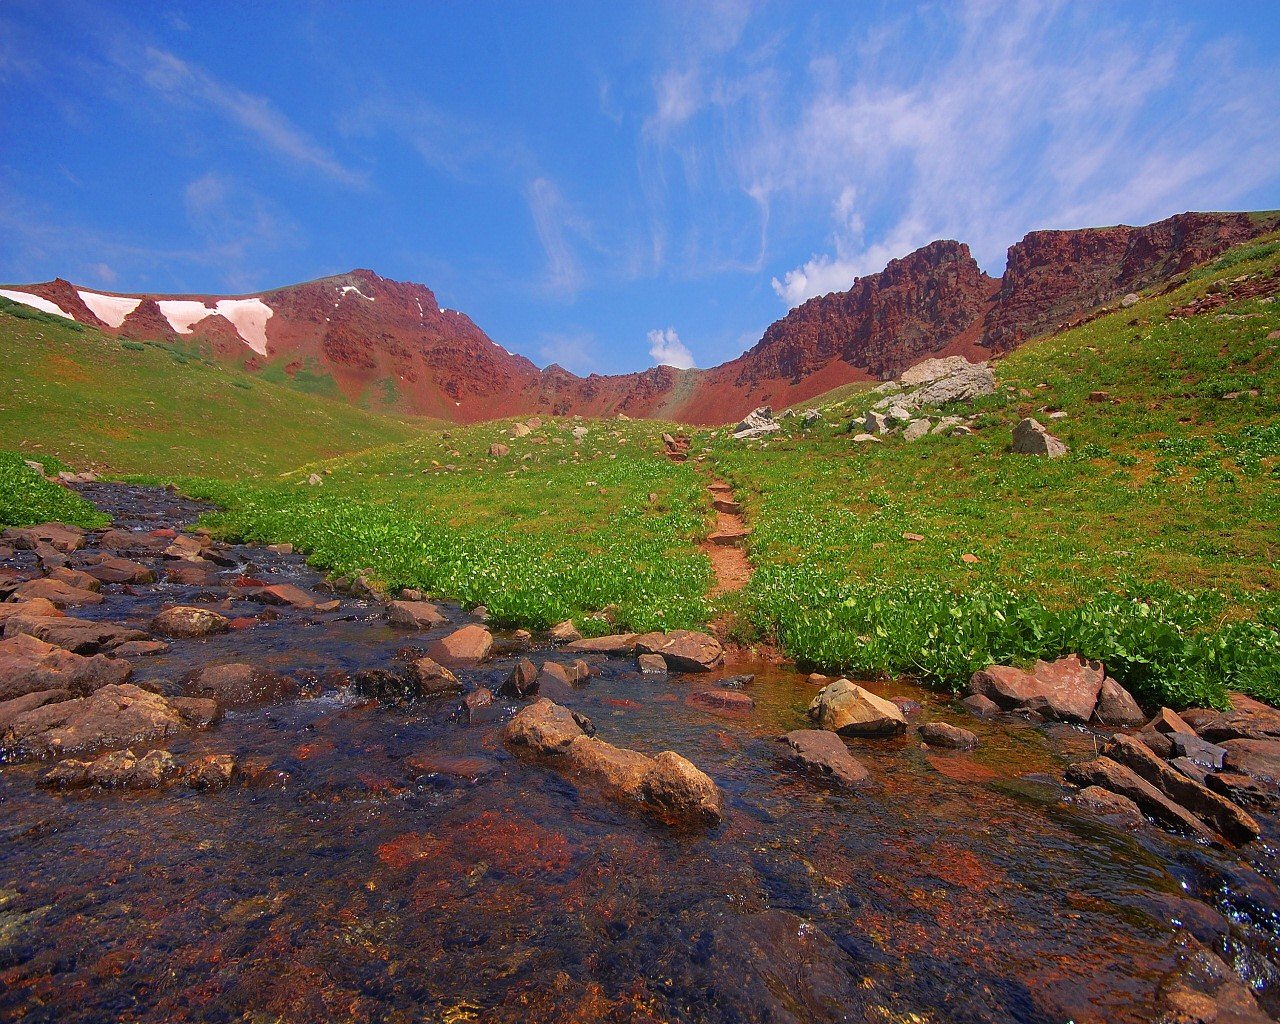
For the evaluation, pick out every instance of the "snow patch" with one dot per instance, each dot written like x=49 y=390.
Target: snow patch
x=35 y=302
x=250 y=317
x=183 y=314
x=110 y=309
x=352 y=288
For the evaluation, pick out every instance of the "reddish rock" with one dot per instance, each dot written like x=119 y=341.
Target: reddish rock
x=58 y=536
x=1066 y=689
x=1169 y=721
x=1111 y=805
x=469 y=644
x=286 y=594
x=434 y=680
x=36 y=607
x=75 y=578
x=723 y=700
x=189 y=575
x=240 y=684
x=683 y=650
x=1116 y=708
x=60 y=595
x=824 y=754
x=651 y=665
x=982 y=707
x=1117 y=778
x=522 y=682
x=81 y=636
x=212 y=771
x=29 y=665
x=139 y=649
x=564 y=632
x=415 y=615
x=1248 y=719
x=11 y=709
x=1258 y=758
x=184 y=622
x=940 y=734
x=478 y=706
x=617 y=645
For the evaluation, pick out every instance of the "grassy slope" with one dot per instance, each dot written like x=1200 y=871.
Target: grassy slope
x=1170 y=490
x=130 y=408
x=26 y=497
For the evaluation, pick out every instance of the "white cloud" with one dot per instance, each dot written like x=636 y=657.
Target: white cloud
x=553 y=219
x=573 y=351
x=666 y=349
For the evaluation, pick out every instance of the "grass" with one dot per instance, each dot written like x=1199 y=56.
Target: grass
x=27 y=498
x=153 y=409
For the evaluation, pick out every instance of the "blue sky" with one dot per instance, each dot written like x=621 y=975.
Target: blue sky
x=610 y=185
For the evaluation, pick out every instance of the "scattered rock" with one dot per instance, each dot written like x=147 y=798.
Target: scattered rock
x=11 y=709
x=1129 y=300
x=1065 y=689
x=544 y=727
x=684 y=650
x=186 y=622
x=1031 y=438
x=915 y=430
x=618 y=645
x=75 y=578
x=498 y=450
x=434 y=680
x=81 y=636
x=415 y=615
x=940 y=734
x=810 y=417
x=1117 y=778
x=469 y=644
x=850 y=710
x=564 y=632
x=58 y=536
x=139 y=649
x=758 y=423
x=57 y=593
x=875 y=423
x=824 y=754
x=478 y=706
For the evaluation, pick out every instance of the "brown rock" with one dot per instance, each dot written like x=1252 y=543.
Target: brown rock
x=1108 y=804
x=522 y=682
x=434 y=680
x=676 y=791
x=1118 y=778
x=497 y=450
x=724 y=700
x=564 y=632
x=618 y=645
x=239 y=683
x=1116 y=707
x=824 y=754
x=684 y=650
x=652 y=664
x=469 y=644
x=112 y=569
x=58 y=536
x=1168 y=721
x=29 y=665
x=1257 y=758
x=189 y=575
x=11 y=709
x=125 y=540
x=982 y=707
x=940 y=734
x=185 y=622
x=579 y=672
x=58 y=593
x=212 y=771
x=1066 y=689
x=139 y=649
x=478 y=706
x=1248 y=719
x=282 y=594
x=81 y=636
x=415 y=615
x=850 y=710
x=36 y=606
x=543 y=727
x=112 y=716
x=75 y=578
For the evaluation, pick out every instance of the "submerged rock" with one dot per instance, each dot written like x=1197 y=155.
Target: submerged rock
x=239 y=683
x=824 y=754
x=941 y=734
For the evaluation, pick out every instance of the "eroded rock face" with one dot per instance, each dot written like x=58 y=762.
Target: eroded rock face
x=666 y=786
x=851 y=710
x=186 y=622
x=823 y=754
x=682 y=649
x=112 y=716
x=1066 y=689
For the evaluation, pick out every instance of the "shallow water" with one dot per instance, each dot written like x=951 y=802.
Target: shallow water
x=395 y=864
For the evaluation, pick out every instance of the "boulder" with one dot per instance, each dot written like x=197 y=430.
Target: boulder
x=498 y=450
x=81 y=636
x=239 y=683
x=962 y=384
x=982 y=707
x=1116 y=708
x=617 y=645
x=58 y=536
x=928 y=370
x=388 y=685
x=1169 y=722
x=186 y=622
x=29 y=665
x=1248 y=719
x=758 y=423
x=478 y=706
x=126 y=540
x=57 y=593
x=850 y=710
x=189 y=575
x=1031 y=438
x=186 y=549
x=564 y=632
x=415 y=615
x=139 y=649
x=940 y=734
x=522 y=682
x=1117 y=778
x=810 y=417
x=1066 y=689
x=111 y=716
x=434 y=680
x=1212 y=808
x=471 y=643
x=683 y=650
x=543 y=727
x=824 y=754
x=1259 y=759
x=1201 y=751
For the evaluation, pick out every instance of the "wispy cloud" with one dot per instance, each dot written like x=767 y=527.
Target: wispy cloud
x=666 y=349
x=554 y=220
x=574 y=350
x=183 y=83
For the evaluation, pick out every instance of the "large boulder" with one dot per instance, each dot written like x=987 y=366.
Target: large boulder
x=757 y=423
x=683 y=650
x=415 y=615
x=112 y=716
x=29 y=665
x=81 y=636
x=239 y=683
x=666 y=786
x=961 y=382
x=1066 y=689
x=823 y=754
x=185 y=622
x=1031 y=438
x=851 y=710
x=471 y=643
x=929 y=370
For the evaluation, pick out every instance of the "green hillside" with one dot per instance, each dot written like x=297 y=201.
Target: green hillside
x=125 y=407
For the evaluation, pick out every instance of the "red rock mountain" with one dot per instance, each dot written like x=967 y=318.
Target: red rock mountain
x=388 y=344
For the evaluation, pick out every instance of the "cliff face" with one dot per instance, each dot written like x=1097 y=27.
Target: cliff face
x=387 y=344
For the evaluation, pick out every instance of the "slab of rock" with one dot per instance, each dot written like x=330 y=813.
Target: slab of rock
x=186 y=548
x=1168 y=721
x=850 y=710
x=666 y=786
x=112 y=716
x=139 y=649
x=75 y=578
x=1201 y=751
x=415 y=615
x=1257 y=758
x=982 y=707
x=57 y=593
x=117 y=770
x=434 y=680
x=1108 y=804
x=875 y=423
x=1203 y=989
x=916 y=429
x=29 y=665
x=824 y=754
x=652 y=665
x=683 y=650
x=186 y=622
x=941 y=734
x=1117 y=778
x=928 y=370
x=239 y=683
x=112 y=569
x=1211 y=808
x=1031 y=438
x=286 y=594
x=126 y=540
x=721 y=699
x=1248 y=719
x=36 y=606
x=1066 y=689
x=618 y=645
x=11 y=709
x=80 y=636
x=1116 y=708
x=189 y=575
x=58 y=536
x=471 y=643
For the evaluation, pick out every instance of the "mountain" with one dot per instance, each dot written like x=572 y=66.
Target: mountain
x=388 y=345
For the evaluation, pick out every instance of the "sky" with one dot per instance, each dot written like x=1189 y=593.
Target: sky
x=610 y=185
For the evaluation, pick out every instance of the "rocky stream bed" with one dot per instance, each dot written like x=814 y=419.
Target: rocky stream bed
x=358 y=823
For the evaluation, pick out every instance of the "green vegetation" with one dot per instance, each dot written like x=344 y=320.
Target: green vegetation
x=551 y=530
x=153 y=409
x=26 y=497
